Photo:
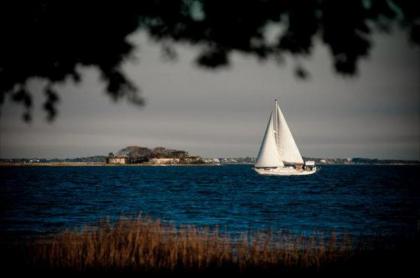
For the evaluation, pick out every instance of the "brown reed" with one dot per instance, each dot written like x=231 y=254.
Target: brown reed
x=144 y=244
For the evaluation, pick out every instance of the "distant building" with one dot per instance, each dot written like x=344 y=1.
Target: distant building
x=116 y=159
x=162 y=161
x=211 y=161
x=192 y=160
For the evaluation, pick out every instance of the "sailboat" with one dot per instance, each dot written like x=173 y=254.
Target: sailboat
x=279 y=154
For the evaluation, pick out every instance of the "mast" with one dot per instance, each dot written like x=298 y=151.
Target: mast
x=276 y=124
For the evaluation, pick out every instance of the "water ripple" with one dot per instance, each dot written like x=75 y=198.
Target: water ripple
x=360 y=200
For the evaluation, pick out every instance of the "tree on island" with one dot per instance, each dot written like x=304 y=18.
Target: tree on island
x=53 y=40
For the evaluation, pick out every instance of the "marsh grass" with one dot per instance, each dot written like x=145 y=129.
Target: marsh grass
x=146 y=245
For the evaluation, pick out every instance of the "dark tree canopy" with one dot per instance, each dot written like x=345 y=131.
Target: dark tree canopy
x=51 y=40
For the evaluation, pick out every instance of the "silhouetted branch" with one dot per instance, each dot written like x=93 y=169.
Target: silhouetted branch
x=51 y=39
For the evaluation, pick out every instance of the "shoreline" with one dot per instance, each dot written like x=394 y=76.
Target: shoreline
x=94 y=164
x=103 y=164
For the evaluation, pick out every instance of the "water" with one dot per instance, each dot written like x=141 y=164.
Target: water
x=357 y=200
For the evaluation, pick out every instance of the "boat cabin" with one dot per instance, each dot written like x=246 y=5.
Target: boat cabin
x=309 y=165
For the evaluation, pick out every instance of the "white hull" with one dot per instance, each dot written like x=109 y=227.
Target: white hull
x=284 y=171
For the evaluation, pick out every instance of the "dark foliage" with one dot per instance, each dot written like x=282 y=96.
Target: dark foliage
x=141 y=154
x=52 y=40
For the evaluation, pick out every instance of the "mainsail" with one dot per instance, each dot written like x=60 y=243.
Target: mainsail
x=268 y=156
x=286 y=145
x=278 y=146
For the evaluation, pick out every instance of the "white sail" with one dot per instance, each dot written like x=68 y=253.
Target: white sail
x=286 y=145
x=268 y=155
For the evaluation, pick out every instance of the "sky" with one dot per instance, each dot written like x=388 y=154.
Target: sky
x=223 y=113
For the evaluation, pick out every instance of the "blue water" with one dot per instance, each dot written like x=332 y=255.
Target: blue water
x=357 y=200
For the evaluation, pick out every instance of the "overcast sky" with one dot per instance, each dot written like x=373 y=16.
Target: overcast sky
x=223 y=113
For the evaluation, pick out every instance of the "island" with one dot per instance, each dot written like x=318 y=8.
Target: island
x=155 y=156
